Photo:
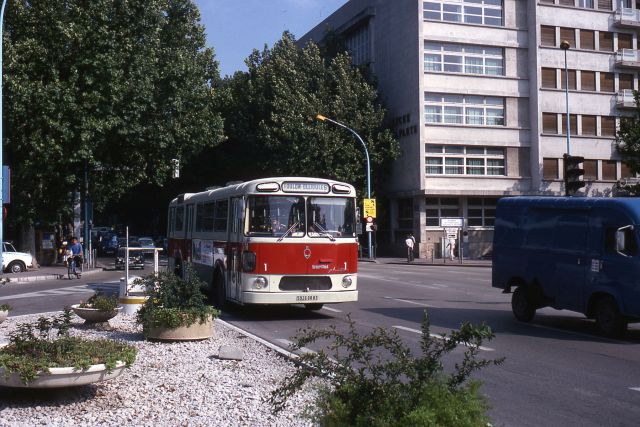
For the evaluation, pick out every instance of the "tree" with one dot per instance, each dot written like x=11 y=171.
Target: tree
x=270 y=116
x=628 y=144
x=119 y=86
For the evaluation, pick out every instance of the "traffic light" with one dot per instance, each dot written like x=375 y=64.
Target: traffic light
x=572 y=174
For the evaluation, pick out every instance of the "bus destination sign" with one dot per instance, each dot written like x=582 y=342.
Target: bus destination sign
x=305 y=187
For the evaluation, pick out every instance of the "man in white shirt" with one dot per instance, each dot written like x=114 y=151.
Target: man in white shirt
x=410 y=242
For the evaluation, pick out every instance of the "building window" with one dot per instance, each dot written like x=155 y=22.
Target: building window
x=464 y=109
x=625 y=81
x=465 y=160
x=587 y=40
x=573 y=122
x=468 y=59
x=588 y=4
x=405 y=213
x=441 y=207
x=482 y=12
x=568 y=34
x=549 y=78
x=481 y=212
x=605 y=4
x=609 y=172
x=550 y=169
x=572 y=79
x=588 y=80
x=607 y=81
x=357 y=42
x=607 y=126
x=590 y=170
x=606 y=41
x=625 y=171
x=589 y=125
x=550 y=123
x=625 y=41
x=547 y=35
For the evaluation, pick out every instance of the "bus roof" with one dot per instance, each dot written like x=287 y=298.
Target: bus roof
x=294 y=185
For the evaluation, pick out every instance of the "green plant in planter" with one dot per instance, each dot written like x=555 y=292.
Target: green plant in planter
x=101 y=302
x=35 y=347
x=5 y=307
x=174 y=302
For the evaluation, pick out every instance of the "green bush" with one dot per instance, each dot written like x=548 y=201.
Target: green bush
x=374 y=381
x=174 y=301
x=33 y=348
x=5 y=307
x=101 y=302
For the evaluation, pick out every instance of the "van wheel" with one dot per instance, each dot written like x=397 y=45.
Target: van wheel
x=608 y=317
x=521 y=305
x=313 y=307
x=219 y=296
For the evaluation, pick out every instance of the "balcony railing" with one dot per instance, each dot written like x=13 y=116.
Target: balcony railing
x=627 y=17
x=625 y=99
x=628 y=58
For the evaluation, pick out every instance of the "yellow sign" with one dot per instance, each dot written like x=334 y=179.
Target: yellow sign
x=370 y=208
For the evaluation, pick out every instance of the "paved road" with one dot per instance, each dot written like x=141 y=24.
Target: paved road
x=558 y=371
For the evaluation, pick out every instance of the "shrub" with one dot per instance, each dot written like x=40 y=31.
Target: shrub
x=374 y=380
x=5 y=307
x=101 y=302
x=174 y=302
x=33 y=348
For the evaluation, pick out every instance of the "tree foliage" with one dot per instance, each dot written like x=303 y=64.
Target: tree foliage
x=122 y=86
x=628 y=145
x=270 y=115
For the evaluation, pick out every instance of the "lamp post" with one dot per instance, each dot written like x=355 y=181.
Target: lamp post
x=565 y=45
x=366 y=153
x=4 y=3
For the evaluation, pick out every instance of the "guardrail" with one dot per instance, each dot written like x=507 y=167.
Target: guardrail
x=628 y=55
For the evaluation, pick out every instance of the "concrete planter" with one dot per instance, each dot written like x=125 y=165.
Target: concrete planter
x=197 y=331
x=93 y=315
x=64 y=377
x=3 y=315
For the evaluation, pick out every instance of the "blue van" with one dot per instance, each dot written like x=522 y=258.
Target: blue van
x=578 y=254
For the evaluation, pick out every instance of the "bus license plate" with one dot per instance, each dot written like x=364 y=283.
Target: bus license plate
x=306 y=298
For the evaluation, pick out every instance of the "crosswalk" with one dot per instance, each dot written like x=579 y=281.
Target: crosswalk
x=109 y=287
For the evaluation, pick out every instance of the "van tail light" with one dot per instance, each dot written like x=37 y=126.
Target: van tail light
x=248 y=261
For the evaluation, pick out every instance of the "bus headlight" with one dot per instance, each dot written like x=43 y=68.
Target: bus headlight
x=260 y=282
x=347 y=281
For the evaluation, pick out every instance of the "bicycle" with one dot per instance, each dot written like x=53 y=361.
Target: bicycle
x=74 y=266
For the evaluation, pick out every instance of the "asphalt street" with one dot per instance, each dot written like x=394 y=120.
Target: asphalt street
x=558 y=371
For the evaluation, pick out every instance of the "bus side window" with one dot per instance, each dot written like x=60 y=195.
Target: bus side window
x=179 y=223
x=629 y=242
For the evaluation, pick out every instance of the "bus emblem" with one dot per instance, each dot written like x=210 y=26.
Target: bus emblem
x=307 y=252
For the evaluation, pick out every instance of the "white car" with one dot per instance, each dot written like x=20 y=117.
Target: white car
x=14 y=261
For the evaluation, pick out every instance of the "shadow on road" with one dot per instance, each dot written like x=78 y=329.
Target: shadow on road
x=271 y=312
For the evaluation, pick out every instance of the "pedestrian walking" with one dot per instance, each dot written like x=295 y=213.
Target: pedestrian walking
x=410 y=241
x=452 y=248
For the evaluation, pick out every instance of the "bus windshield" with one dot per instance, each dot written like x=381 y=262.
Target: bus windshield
x=332 y=217
x=273 y=216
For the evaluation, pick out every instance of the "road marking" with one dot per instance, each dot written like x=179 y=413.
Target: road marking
x=440 y=337
x=634 y=388
x=335 y=310
x=411 y=302
x=289 y=346
x=60 y=291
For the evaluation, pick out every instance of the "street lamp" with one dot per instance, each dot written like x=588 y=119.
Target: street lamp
x=4 y=3
x=366 y=153
x=565 y=45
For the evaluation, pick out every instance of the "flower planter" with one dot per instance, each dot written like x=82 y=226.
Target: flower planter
x=93 y=315
x=64 y=377
x=3 y=315
x=197 y=331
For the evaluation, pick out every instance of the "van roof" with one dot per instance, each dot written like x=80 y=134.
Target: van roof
x=631 y=204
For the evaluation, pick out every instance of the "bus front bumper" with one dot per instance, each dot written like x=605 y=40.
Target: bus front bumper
x=326 y=297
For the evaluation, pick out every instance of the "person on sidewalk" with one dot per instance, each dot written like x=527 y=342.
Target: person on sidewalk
x=410 y=242
x=452 y=248
x=76 y=251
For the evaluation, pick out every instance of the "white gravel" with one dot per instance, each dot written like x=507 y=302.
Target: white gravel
x=170 y=384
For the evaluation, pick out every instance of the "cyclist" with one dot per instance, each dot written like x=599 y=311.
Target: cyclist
x=76 y=254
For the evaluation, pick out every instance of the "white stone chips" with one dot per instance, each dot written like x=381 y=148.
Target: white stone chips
x=177 y=384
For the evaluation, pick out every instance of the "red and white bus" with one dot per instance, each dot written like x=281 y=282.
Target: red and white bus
x=269 y=241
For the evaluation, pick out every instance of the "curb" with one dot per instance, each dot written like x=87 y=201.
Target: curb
x=49 y=276
x=256 y=338
x=439 y=265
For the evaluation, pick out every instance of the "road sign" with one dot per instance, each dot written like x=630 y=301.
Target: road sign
x=369 y=219
x=368 y=227
x=452 y=222
x=369 y=208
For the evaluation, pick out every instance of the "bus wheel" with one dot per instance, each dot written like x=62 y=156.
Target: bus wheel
x=218 y=291
x=521 y=305
x=608 y=317
x=313 y=307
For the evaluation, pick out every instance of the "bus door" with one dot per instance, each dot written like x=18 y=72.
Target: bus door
x=235 y=239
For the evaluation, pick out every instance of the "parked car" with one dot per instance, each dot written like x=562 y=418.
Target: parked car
x=147 y=242
x=136 y=258
x=14 y=261
x=109 y=245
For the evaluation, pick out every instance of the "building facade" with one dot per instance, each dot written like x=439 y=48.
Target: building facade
x=476 y=89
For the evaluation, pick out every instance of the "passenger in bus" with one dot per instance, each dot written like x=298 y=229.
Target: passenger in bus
x=277 y=226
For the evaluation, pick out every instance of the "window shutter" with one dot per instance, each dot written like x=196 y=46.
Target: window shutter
x=549 y=78
x=587 y=40
x=606 y=41
x=568 y=34
x=590 y=169
x=624 y=41
x=605 y=4
x=547 y=35
x=589 y=125
x=572 y=79
x=606 y=82
x=588 y=80
x=550 y=123
x=609 y=170
x=550 y=168
x=625 y=81
x=567 y=2
x=607 y=126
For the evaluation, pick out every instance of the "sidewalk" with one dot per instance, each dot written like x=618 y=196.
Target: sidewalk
x=438 y=262
x=43 y=273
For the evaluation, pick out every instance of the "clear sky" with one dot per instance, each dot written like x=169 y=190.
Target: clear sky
x=236 y=27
